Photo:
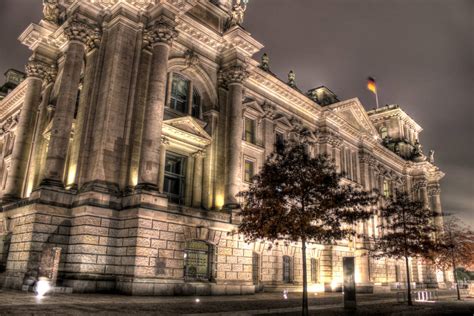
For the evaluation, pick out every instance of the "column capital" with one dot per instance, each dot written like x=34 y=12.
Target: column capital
x=331 y=139
x=235 y=74
x=199 y=154
x=162 y=31
x=81 y=32
x=434 y=189
x=51 y=74
x=37 y=69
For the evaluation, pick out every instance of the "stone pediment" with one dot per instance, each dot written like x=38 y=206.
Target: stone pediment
x=186 y=129
x=355 y=115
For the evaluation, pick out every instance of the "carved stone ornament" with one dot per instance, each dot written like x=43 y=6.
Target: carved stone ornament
x=233 y=74
x=434 y=190
x=51 y=74
x=192 y=59
x=51 y=11
x=237 y=13
x=37 y=69
x=78 y=31
x=265 y=63
x=331 y=139
x=420 y=184
x=163 y=31
x=292 y=79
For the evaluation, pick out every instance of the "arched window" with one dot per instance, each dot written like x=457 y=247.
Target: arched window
x=287 y=273
x=198 y=261
x=184 y=97
x=383 y=132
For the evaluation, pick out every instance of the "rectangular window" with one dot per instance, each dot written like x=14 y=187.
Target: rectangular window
x=179 y=93
x=249 y=170
x=197 y=265
x=287 y=277
x=314 y=270
x=279 y=140
x=255 y=268
x=249 y=130
x=175 y=171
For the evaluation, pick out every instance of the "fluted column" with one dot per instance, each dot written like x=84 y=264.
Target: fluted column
x=78 y=35
x=197 y=179
x=160 y=36
x=234 y=77
x=36 y=72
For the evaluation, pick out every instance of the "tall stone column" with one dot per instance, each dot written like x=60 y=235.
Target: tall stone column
x=434 y=192
x=160 y=36
x=78 y=146
x=36 y=72
x=197 y=179
x=234 y=77
x=38 y=140
x=78 y=35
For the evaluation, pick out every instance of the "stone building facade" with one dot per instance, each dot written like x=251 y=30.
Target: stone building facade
x=136 y=126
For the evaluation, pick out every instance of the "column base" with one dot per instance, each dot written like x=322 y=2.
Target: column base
x=149 y=199
x=8 y=199
x=148 y=187
x=54 y=183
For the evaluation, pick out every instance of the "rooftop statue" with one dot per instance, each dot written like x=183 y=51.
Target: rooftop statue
x=238 y=12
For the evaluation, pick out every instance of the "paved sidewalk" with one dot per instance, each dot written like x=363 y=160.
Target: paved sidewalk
x=20 y=303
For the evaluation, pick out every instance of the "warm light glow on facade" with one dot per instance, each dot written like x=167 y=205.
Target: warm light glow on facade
x=71 y=175
x=219 y=201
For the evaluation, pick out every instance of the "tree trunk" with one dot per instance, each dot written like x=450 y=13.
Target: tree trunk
x=408 y=281
x=456 y=278
x=305 y=279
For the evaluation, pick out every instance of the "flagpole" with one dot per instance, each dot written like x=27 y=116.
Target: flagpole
x=377 y=98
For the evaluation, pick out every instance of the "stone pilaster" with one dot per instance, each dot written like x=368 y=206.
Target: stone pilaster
x=197 y=179
x=268 y=130
x=36 y=72
x=234 y=78
x=160 y=37
x=79 y=35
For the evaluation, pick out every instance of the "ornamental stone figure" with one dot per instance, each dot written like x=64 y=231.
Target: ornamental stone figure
x=292 y=79
x=265 y=64
x=51 y=11
x=431 y=158
x=237 y=13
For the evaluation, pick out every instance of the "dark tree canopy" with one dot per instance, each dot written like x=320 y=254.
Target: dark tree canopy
x=408 y=229
x=299 y=197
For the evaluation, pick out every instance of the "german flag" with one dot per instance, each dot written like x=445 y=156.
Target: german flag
x=371 y=85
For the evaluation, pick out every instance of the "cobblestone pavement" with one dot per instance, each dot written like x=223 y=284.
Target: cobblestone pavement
x=20 y=303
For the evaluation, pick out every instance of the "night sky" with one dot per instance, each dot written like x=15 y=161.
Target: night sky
x=420 y=51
